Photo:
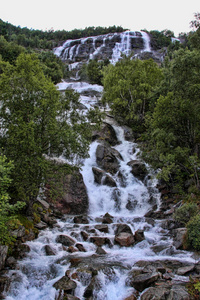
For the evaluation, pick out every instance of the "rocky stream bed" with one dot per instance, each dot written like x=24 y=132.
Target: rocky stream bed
x=111 y=236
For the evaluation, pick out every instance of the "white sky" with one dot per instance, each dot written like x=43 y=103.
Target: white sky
x=70 y=14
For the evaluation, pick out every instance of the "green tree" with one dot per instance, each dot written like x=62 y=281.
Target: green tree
x=7 y=210
x=37 y=123
x=173 y=138
x=128 y=88
x=54 y=67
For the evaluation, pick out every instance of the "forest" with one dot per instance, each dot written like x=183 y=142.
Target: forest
x=159 y=102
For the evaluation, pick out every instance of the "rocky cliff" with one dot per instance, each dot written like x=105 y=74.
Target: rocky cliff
x=109 y=46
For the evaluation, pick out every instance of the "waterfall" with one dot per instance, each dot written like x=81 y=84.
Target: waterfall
x=114 y=44
x=105 y=274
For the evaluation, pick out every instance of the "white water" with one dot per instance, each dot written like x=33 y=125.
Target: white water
x=69 y=51
x=38 y=272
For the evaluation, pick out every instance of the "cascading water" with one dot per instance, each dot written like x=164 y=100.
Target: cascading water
x=98 y=275
x=113 y=45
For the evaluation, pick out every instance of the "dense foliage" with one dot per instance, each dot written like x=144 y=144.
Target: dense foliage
x=49 y=39
x=128 y=88
x=37 y=122
x=7 y=211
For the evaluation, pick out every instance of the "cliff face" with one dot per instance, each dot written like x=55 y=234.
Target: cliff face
x=109 y=46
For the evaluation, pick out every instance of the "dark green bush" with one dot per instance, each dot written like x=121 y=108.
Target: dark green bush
x=193 y=232
x=184 y=213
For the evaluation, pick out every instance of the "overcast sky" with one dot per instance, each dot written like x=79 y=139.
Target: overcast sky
x=134 y=15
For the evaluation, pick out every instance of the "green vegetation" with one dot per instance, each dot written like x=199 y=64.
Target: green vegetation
x=7 y=210
x=30 y=38
x=193 y=233
x=92 y=72
x=37 y=122
x=185 y=212
x=128 y=89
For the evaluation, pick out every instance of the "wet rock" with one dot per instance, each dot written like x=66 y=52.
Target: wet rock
x=179 y=235
x=100 y=251
x=72 y=249
x=81 y=220
x=84 y=235
x=131 y=204
x=100 y=241
x=3 y=255
x=65 y=240
x=49 y=250
x=65 y=284
x=5 y=282
x=138 y=169
x=124 y=239
x=109 y=181
x=122 y=228
x=139 y=235
x=107 y=133
x=142 y=281
x=128 y=134
x=80 y=247
x=107 y=219
x=107 y=158
x=98 y=175
x=102 y=228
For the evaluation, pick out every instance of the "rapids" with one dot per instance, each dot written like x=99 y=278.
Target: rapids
x=37 y=272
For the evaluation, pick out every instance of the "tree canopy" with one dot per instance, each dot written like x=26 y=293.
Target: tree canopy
x=128 y=87
x=37 y=122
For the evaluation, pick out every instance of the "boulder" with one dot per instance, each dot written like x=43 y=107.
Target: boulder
x=107 y=219
x=142 y=281
x=109 y=181
x=49 y=250
x=84 y=235
x=101 y=177
x=80 y=247
x=122 y=228
x=179 y=235
x=102 y=228
x=73 y=199
x=81 y=220
x=100 y=251
x=107 y=133
x=107 y=158
x=158 y=293
x=178 y=292
x=41 y=225
x=139 y=235
x=65 y=240
x=100 y=241
x=98 y=175
x=5 y=282
x=138 y=169
x=3 y=255
x=65 y=284
x=124 y=239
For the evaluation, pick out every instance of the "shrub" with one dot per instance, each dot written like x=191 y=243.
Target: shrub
x=184 y=213
x=193 y=232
